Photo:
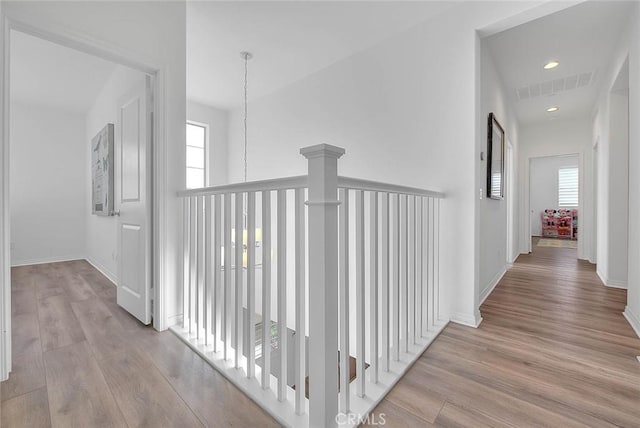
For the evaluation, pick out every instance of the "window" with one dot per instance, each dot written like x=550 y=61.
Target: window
x=568 y=187
x=196 y=155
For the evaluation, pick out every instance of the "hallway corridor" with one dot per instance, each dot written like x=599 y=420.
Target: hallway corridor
x=553 y=350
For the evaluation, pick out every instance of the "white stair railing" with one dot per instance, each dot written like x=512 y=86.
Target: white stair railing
x=363 y=253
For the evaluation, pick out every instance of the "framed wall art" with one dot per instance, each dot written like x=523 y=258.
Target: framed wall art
x=495 y=158
x=102 y=183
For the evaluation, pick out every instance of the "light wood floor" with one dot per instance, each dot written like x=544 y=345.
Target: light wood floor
x=553 y=351
x=79 y=360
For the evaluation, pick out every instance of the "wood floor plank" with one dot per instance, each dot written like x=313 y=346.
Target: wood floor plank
x=78 y=393
x=410 y=395
x=28 y=410
x=103 y=332
x=143 y=394
x=389 y=415
x=47 y=280
x=25 y=334
x=100 y=284
x=206 y=391
x=453 y=416
x=27 y=374
x=77 y=288
x=58 y=324
x=23 y=302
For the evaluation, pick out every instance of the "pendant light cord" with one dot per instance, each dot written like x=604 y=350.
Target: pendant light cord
x=246 y=67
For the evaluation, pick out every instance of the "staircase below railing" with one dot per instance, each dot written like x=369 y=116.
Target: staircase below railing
x=291 y=283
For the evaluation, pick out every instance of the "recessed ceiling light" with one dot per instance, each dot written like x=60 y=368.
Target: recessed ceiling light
x=551 y=64
x=552 y=109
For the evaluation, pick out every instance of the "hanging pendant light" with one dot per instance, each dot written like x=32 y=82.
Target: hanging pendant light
x=246 y=56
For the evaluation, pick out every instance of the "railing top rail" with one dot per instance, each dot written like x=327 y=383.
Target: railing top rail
x=295 y=182
x=368 y=185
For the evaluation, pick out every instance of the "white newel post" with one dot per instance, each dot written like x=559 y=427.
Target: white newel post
x=323 y=283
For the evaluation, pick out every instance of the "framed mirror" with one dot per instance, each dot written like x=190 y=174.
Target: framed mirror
x=495 y=158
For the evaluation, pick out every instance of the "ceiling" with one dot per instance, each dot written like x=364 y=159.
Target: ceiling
x=289 y=41
x=48 y=74
x=582 y=38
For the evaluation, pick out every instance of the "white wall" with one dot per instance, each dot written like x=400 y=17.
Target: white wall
x=628 y=49
x=102 y=232
x=558 y=138
x=611 y=130
x=404 y=111
x=543 y=185
x=152 y=33
x=618 y=190
x=632 y=311
x=48 y=179
x=492 y=245
x=217 y=121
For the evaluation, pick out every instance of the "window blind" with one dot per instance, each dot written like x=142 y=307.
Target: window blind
x=568 y=187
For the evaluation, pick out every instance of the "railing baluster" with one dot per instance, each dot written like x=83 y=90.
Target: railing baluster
x=419 y=301
x=301 y=303
x=411 y=264
x=436 y=263
x=360 y=315
x=251 y=285
x=226 y=310
x=385 y=281
x=217 y=270
x=186 y=268
x=266 y=289
x=430 y=259
x=282 y=293
x=395 y=323
x=343 y=298
x=404 y=239
x=373 y=285
x=239 y=229
x=199 y=265
x=207 y=268
x=193 y=282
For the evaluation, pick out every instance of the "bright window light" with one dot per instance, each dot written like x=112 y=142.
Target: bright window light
x=196 y=156
x=568 y=187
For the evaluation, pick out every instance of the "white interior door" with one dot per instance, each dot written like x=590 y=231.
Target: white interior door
x=133 y=198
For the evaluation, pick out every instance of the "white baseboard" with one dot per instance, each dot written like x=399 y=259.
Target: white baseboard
x=633 y=319
x=492 y=284
x=466 y=319
x=616 y=284
x=106 y=272
x=612 y=283
x=46 y=260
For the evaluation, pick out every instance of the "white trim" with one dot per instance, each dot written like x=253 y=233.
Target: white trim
x=633 y=319
x=612 y=283
x=465 y=319
x=103 y=270
x=45 y=260
x=5 y=227
x=160 y=226
x=486 y=292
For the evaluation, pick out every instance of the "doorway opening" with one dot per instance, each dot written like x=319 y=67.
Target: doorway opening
x=554 y=201
x=80 y=175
